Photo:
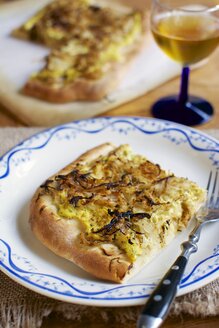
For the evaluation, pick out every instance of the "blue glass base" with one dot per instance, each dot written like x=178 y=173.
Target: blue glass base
x=195 y=111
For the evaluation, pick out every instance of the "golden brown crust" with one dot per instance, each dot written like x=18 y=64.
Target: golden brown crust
x=80 y=89
x=61 y=235
x=83 y=89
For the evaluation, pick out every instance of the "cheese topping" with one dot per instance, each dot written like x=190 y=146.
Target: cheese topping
x=85 y=38
x=124 y=199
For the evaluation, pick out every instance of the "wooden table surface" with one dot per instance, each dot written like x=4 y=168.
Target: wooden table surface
x=204 y=82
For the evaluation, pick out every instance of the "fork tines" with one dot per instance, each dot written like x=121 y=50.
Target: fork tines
x=213 y=190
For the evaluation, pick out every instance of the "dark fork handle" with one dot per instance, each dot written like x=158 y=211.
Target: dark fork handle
x=158 y=304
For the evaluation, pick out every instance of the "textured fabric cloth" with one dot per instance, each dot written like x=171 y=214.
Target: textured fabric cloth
x=22 y=308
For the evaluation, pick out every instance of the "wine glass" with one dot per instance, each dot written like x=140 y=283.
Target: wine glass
x=187 y=31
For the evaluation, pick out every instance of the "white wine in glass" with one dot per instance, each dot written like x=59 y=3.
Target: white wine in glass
x=187 y=31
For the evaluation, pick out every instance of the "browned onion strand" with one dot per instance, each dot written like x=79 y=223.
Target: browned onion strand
x=121 y=221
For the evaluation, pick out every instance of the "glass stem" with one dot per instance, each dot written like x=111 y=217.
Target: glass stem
x=183 y=96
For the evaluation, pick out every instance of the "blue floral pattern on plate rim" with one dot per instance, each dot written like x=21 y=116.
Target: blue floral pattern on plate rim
x=22 y=268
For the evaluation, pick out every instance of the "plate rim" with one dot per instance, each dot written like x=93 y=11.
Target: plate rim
x=180 y=126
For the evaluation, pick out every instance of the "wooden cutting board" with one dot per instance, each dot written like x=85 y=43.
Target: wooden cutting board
x=18 y=59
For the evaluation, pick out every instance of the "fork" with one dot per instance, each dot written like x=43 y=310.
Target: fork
x=159 y=302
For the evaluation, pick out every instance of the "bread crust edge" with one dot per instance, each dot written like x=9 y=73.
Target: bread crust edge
x=60 y=235
x=84 y=89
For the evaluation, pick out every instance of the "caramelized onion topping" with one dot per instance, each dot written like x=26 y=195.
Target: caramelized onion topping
x=121 y=221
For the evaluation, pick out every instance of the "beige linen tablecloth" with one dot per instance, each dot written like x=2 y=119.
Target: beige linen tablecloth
x=22 y=308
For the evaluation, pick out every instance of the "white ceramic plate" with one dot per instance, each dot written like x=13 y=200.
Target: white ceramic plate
x=186 y=152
